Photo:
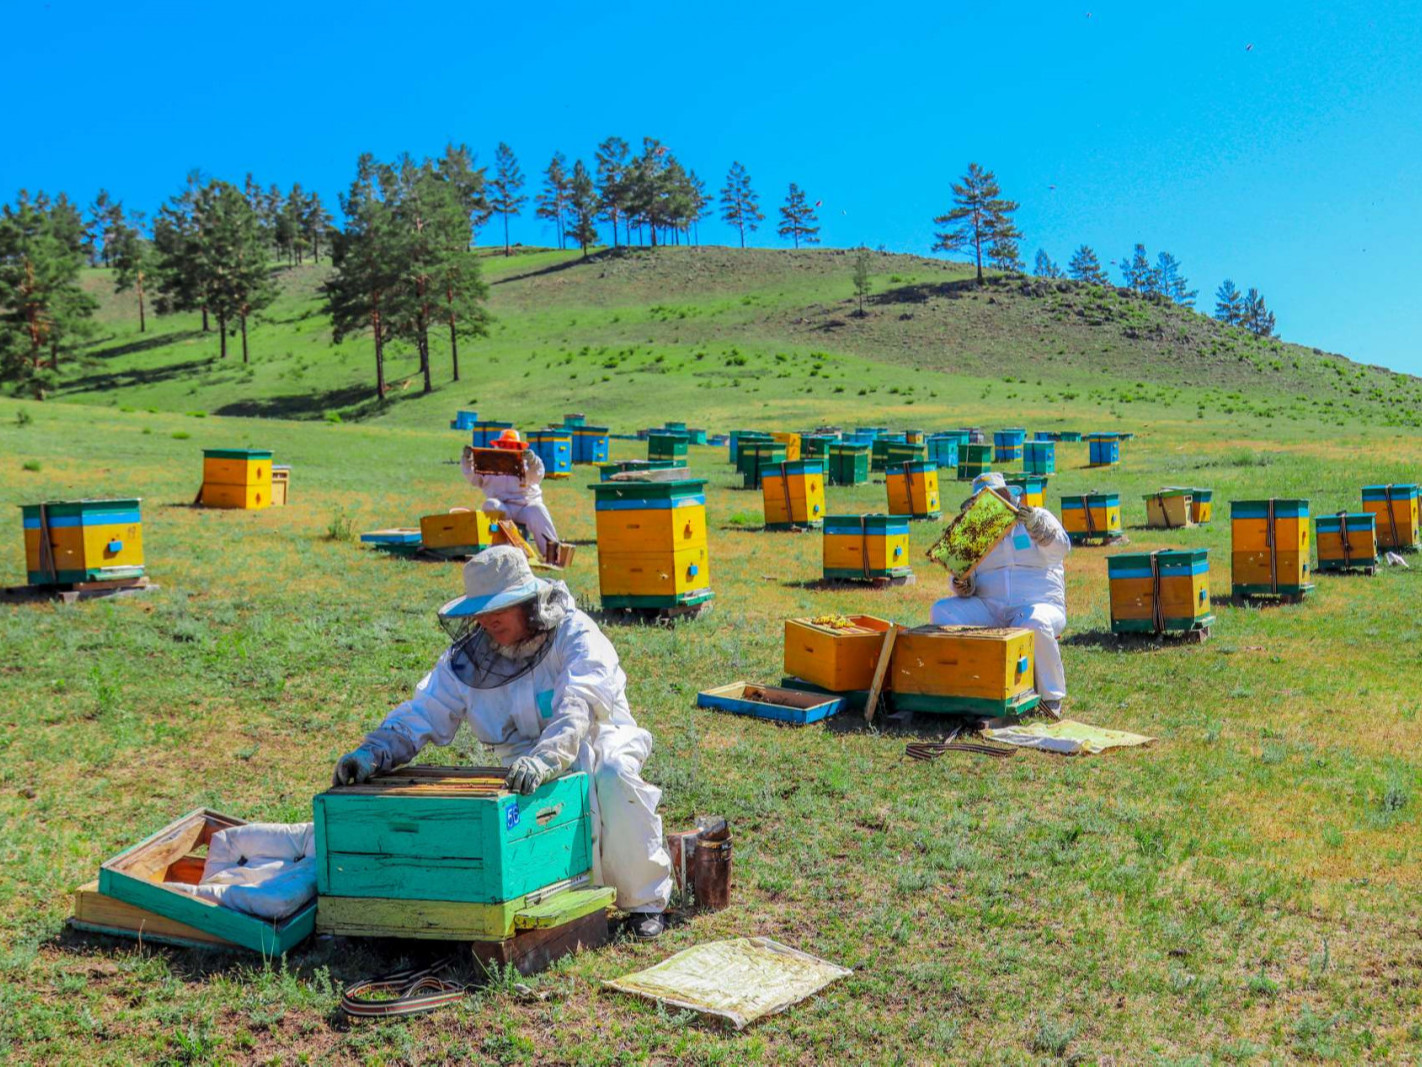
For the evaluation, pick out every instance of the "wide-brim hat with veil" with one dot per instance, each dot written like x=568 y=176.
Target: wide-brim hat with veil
x=495 y=579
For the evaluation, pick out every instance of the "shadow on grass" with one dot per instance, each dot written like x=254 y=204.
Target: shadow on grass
x=921 y=293
x=145 y=376
x=354 y=403
x=145 y=344
x=554 y=268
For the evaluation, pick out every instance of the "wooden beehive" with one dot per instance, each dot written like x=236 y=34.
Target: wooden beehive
x=1202 y=502
x=460 y=532
x=69 y=541
x=943 y=450
x=651 y=544
x=754 y=455
x=555 y=449
x=464 y=420
x=887 y=452
x=590 y=444
x=848 y=463
x=1039 y=457
x=236 y=478
x=737 y=437
x=1103 y=449
x=1007 y=445
x=1396 y=507
x=973 y=460
x=1270 y=548
x=666 y=446
x=484 y=434
x=607 y=471
x=791 y=441
x=445 y=852
x=136 y=877
x=913 y=489
x=1034 y=489
x=1347 y=542
x=793 y=493
x=1169 y=509
x=870 y=548
x=837 y=654
x=963 y=670
x=1160 y=592
x=281 y=486
x=815 y=446
x=1088 y=517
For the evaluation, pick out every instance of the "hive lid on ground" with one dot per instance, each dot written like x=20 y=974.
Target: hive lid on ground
x=777 y=703
x=973 y=533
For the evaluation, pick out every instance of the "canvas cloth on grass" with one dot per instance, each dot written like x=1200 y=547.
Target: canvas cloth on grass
x=742 y=980
x=1065 y=736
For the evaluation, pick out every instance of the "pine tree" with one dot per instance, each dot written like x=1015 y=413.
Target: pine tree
x=863 y=259
x=506 y=183
x=133 y=262
x=1229 y=304
x=457 y=166
x=293 y=214
x=1139 y=274
x=99 y=232
x=44 y=313
x=1045 y=267
x=554 y=197
x=696 y=190
x=1173 y=285
x=315 y=224
x=582 y=207
x=676 y=199
x=1256 y=317
x=980 y=220
x=611 y=157
x=1085 y=267
x=740 y=206
x=797 y=218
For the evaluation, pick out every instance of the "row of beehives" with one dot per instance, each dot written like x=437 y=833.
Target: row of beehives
x=558 y=447
x=73 y=542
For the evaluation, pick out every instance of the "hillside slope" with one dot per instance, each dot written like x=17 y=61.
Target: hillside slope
x=778 y=324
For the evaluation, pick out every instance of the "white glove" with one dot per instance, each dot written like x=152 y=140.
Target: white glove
x=354 y=767
x=492 y=506
x=1037 y=523
x=964 y=586
x=526 y=774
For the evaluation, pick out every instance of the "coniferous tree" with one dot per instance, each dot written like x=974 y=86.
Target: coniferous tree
x=740 y=206
x=44 y=313
x=1229 y=304
x=582 y=207
x=611 y=157
x=553 y=200
x=315 y=224
x=366 y=256
x=1085 y=267
x=1139 y=274
x=1173 y=285
x=675 y=200
x=177 y=253
x=1044 y=266
x=863 y=259
x=696 y=191
x=1256 y=317
x=506 y=183
x=293 y=223
x=981 y=220
x=104 y=213
x=133 y=262
x=457 y=166
x=798 y=220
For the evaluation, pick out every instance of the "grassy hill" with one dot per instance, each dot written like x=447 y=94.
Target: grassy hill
x=754 y=336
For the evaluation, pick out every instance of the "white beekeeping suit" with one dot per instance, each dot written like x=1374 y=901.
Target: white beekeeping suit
x=521 y=499
x=1020 y=583
x=561 y=698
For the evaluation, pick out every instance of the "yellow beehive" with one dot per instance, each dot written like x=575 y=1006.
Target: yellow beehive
x=1092 y=517
x=913 y=489
x=870 y=548
x=963 y=670
x=460 y=532
x=651 y=544
x=236 y=478
x=1346 y=542
x=791 y=441
x=1169 y=509
x=1270 y=548
x=69 y=541
x=281 y=486
x=794 y=494
x=1159 y=592
x=838 y=654
x=1396 y=507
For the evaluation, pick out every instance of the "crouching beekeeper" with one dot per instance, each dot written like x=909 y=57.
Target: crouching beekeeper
x=1021 y=582
x=539 y=683
x=521 y=499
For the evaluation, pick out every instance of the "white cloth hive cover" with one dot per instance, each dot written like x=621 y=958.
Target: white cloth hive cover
x=267 y=869
x=1066 y=736
x=742 y=980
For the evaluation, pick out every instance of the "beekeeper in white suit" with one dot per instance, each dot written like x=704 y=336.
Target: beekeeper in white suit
x=539 y=683
x=1020 y=583
x=521 y=499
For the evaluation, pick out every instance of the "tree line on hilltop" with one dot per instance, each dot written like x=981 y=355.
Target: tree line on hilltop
x=404 y=263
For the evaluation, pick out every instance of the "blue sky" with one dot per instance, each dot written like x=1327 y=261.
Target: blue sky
x=1278 y=144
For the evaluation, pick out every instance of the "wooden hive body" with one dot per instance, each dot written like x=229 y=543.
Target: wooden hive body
x=793 y=493
x=1396 y=507
x=848 y=463
x=1346 y=542
x=1270 y=548
x=82 y=541
x=753 y=456
x=1103 y=450
x=1169 y=509
x=281 y=486
x=840 y=659
x=1039 y=457
x=1034 y=489
x=815 y=446
x=1155 y=592
x=460 y=533
x=791 y=441
x=1092 y=517
x=866 y=547
x=739 y=436
x=887 y=452
x=651 y=544
x=555 y=449
x=464 y=420
x=590 y=444
x=963 y=670
x=483 y=434
x=973 y=459
x=943 y=450
x=1202 y=502
x=236 y=478
x=666 y=445
x=1007 y=445
x=913 y=489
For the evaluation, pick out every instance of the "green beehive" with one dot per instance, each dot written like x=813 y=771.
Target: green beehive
x=890 y=453
x=848 y=464
x=752 y=455
x=815 y=446
x=973 y=460
x=665 y=446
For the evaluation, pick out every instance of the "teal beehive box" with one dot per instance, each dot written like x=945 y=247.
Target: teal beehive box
x=555 y=449
x=1039 y=457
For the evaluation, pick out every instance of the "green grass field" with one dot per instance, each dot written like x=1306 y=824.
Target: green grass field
x=1244 y=890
